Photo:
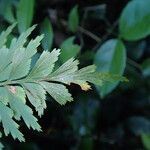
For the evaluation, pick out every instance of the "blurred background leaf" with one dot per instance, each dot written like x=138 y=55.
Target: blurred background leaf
x=134 y=20
x=111 y=58
x=25 y=12
x=73 y=20
x=69 y=49
x=47 y=30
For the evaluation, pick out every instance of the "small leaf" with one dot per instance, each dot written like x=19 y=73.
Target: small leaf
x=25 y=14
x=73 y=21
x=134 y=20
x=69 y=49
x=47 y=30
x=110 y=58
x=58 y=92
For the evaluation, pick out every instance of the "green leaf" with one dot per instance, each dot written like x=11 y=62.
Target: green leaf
x=9 y=125
x=146 y=141
x=64 y=72
x=110 y=58
x=20 y=70
x=73 y=21
x=45 y=64
x=146 y=67
x=31 y=48
x=58 y=92
x=36 y=96
x=21 y=57
x=25 y=14
x=24 y=111
x=19 y=43
x=69 y=49
x=134 y=20
x=47 y=30
x=4 y=34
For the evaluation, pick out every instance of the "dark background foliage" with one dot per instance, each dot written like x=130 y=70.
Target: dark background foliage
x=116 y=122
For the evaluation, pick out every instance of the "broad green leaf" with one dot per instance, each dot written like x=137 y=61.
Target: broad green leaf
x=9 y=125
x=135 y=19
x=47 y=30
x=45 y=64
x=146 y=141
x=58 y=92
x=36 y=96
x=25 y=14
x=69 y=49
x=4 y=34
x=146 y=67
x=73 y=20
x=110 y=58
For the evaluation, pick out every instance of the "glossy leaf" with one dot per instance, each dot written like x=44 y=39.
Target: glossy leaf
x=134 y=20
x=110 y=58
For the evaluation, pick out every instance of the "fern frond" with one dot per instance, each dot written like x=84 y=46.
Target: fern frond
x=19 y=80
